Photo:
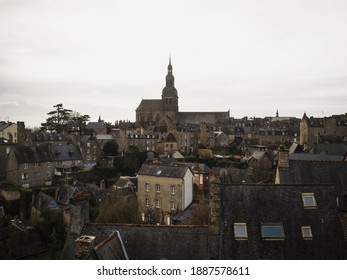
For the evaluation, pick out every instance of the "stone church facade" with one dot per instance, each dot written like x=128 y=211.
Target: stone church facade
x=165 y=112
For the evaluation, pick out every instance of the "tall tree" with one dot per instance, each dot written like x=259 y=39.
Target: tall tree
x=77 y=122
x=57 y=120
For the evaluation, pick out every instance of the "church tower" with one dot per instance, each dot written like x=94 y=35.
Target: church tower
x=169 y=95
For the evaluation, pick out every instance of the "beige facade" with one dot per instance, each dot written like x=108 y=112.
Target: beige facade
x=165 y=194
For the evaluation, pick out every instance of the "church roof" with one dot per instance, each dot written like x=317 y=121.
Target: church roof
x=150 y=104
x=199 y=117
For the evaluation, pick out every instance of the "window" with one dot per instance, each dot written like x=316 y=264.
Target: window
x=157 y=203
x=35 y=164
x=172 y=205
x=88 y=144
x=306 y=232
x=25 y=166
x=309 y=201
x=146 y=187
x=157 y=187
x=240 y=231
x=173 y=189
x=272 y=231
x=48 y=174
x=48 y=164
x=147 y=202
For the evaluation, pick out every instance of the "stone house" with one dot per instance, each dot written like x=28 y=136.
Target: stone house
x=13 y=132
x=90 y=149
x=166 y=145
x=254 y=222
x=45 y=138
x=42 y=202
x=311 y=129
x=38 y=165
x=164 y=189
x=30 y=166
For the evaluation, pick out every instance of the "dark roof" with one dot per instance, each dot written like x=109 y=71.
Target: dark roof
x=112 y=248
x=66 y=152
x=169 y=137
x=258 y=204
x=199 y=117
x=43 y=201
x=44 y=136
x=315 y=122
x=151 y=242
x=163 y=170
x=315 y=172
x=323 y=156
x=4 y=125
x=150 y=104
x=25 y=154
x=330 y=149
x=95 y=125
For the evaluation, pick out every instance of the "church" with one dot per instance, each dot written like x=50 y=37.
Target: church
x=165 y=112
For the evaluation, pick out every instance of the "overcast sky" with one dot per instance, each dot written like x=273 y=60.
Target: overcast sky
x=101 y=57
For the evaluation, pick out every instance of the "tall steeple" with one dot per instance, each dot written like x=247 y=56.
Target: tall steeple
x=170 y=79
x=169 y=95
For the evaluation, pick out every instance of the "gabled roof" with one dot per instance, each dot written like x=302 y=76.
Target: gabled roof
x=163 y=171
x=150 y=104
x=95 y=125
x=43 y=201
x=4 y=125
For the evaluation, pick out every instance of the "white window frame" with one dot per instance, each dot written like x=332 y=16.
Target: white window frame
x=237 y=235
x=306 y=204
x=157 y=188
x=157 y=203
x=173 y=189
x=172 y=205
x=147 y=202
x=25 y=166
x=306 y=232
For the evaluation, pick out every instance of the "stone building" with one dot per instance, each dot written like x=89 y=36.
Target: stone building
x=165 y=112
x=164 y=189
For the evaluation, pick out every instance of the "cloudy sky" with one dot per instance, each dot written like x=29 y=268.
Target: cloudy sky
x=101 y=57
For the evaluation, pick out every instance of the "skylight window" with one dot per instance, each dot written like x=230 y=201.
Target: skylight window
x=240 y=231
x=274 y=231
x=306 y=232
x=309 y=201
x=159 y=172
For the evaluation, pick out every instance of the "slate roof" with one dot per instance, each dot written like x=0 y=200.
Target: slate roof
x=95 y=125
x=43 y=136
x=66 y=152
x=112 y=248
x=150 y=104
x=319 y=172
x=315 y=122
x=257 y=204
x=25 y=154
x=4 y=125
x=152 y=242
x=163 y=170
x=323 y=156
x=198 y=117
x=44 y=201
x=330 y=149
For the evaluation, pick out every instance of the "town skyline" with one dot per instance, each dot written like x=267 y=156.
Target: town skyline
x=103 y=59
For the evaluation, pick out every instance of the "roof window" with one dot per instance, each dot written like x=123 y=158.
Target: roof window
x=272 y=231
x=306 y=232
x=240 y=231
x=309 y=201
